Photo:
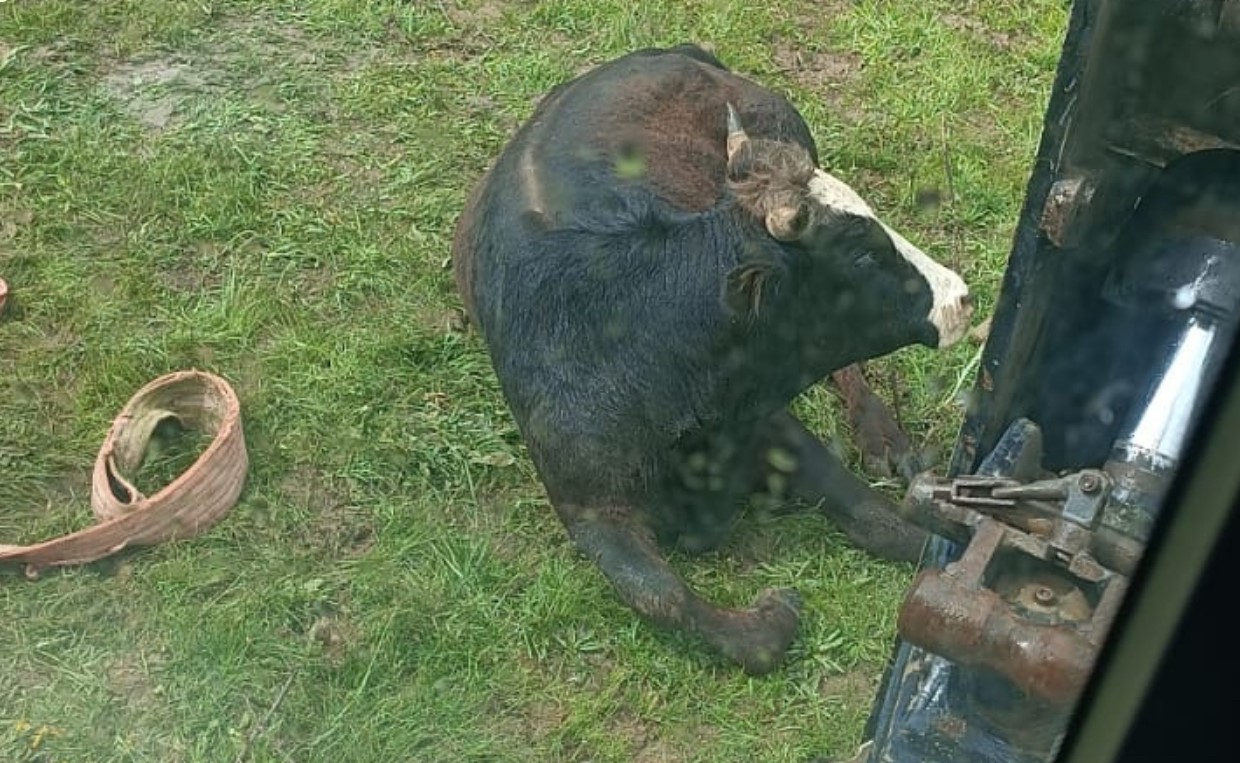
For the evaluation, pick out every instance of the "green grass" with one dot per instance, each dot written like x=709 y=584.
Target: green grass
x=267 y=191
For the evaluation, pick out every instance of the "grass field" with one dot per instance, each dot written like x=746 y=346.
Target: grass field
x=267 y=190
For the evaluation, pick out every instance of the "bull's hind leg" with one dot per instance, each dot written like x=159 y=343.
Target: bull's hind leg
x=792 y=454
x=626 y=553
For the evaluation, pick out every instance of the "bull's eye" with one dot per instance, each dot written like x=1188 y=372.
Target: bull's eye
x=876 y=243
x=865 y=259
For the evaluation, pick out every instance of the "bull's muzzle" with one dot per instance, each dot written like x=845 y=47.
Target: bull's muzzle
x=951 y=309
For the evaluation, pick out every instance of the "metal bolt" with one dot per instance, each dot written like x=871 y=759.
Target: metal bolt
x=1089 y=483
x=1044 y=595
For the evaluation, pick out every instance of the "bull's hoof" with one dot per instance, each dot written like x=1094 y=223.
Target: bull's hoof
x=885 y=448
x=761 y=635
x=911 y=463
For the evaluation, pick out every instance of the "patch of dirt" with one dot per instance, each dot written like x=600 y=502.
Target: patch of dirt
x=810 y=15
x=53 y=53
x=357 y=167
x=336 y=526
x=309 y=488
x=150 y=90
x=997 y=39
x=247 y=378
x=483 y=107
x=336 y=635
x=265 y=39
x=825 y=72
x=588 y=671
x=316 y=283
x=196 y=269
x=986 y=126
x=641 y=737
x=26 y=679
x=102 y=285
x=442 y=321
x=657 y=749
x=816 y=68
x=54 y=398
x=72 y=485
x=876 y=186
x=130 y=676
x=542 y=717
x=852 y=688
x=539 y=719
x=357 y=148
x=204 y=356
x=13 y=219
x=475 y=15
x=533 y=721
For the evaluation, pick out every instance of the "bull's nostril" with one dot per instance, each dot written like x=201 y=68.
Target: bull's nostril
x=966 y=301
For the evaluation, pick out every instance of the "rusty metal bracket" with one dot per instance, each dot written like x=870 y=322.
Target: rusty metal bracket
x=981 y=492
x=1028 y=599
x=1066 y=209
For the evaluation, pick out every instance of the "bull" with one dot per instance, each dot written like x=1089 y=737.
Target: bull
x=658 y=266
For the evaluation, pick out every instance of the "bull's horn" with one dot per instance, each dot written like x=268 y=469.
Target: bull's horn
x=736 y=133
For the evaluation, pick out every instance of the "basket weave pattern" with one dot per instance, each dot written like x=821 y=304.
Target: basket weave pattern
x=188 y=505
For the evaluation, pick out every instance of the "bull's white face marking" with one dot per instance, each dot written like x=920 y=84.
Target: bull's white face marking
x=951 y=309
x=833 y=193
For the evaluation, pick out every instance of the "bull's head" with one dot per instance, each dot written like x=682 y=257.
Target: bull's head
x=853 y=278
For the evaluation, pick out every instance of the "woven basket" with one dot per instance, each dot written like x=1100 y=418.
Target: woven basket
x=188 y=505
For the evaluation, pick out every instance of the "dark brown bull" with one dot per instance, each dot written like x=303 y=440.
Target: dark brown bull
x=658 y=267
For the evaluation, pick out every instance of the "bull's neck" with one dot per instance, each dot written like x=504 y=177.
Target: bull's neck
x=764 y=369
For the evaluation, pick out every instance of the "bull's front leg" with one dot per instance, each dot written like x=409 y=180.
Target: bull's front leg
x=625 y=551
x=792 y=454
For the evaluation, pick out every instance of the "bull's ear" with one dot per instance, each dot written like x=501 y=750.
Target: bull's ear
x=750 y=285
